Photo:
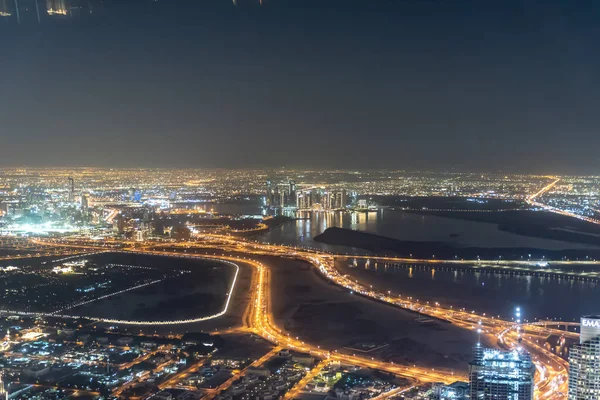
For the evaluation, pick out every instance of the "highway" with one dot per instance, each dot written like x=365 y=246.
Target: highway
x=548 y=385
x=262 y=324
x=551 y=380
x=531 y=200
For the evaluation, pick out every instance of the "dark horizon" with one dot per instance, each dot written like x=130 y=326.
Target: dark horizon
x=506 y=87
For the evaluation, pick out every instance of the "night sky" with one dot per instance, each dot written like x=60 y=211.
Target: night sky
x=437 y=85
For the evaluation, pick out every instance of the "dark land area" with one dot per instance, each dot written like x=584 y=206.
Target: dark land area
x=542 y=224
x=319 y=312
x=446 y=203
x=238 y=304
x=190 y=288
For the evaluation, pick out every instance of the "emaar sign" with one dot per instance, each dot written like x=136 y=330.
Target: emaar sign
x=590 y=323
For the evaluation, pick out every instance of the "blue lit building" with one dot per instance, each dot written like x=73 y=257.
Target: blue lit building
x=501 y=375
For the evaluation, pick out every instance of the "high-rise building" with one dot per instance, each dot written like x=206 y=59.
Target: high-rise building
x=340 y=199
x=269 y=196
x=501 y=375
x=334 y=200
x=328 y=201
x=584 y=361
x=71 y=190
x=146 y=225
x=119 y=224
x=275 y=197
x=140 y=236
x=283 y=196
x=304 y=199
x=3 y=392
x=84 y=204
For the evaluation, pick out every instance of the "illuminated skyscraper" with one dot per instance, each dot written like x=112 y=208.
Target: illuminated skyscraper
x=3 y=392
x=584 y=362
x=84 y=204
x=501 y=375
x=283 y=196
x=334 y=200
x=269 y=198
x=340 y=199
x=304 y=199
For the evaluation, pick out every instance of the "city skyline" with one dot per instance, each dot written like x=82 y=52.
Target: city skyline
x=75 y=244
x=299 y=199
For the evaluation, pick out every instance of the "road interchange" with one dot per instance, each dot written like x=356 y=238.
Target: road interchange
x=551 y=380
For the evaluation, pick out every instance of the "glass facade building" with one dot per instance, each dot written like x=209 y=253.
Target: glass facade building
x=454 y=391
x=501 y=375
x=584 y=362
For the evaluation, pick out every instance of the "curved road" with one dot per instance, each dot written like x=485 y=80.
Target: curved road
x=551 y=380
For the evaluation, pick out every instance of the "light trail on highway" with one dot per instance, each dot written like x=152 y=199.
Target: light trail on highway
x=531 y=201
x=550 y=382
x=262 y=323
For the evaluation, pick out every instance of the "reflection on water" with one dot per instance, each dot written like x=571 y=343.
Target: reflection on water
x=40 y=11
x=409 y=227
x=485 y=291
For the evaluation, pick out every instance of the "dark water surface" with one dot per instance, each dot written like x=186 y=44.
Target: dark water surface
x=490 y=292
x=409 y=227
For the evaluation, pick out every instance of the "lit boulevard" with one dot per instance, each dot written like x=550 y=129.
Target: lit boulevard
x=531 y=200
x=551 y=380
